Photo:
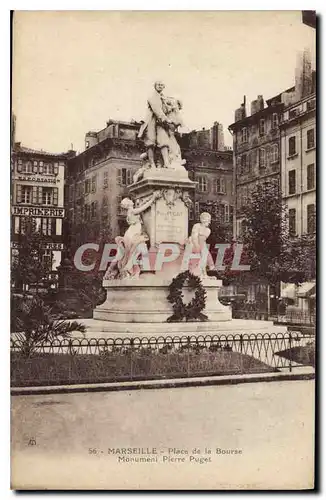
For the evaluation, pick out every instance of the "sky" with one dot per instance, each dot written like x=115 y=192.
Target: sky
x=75 y=70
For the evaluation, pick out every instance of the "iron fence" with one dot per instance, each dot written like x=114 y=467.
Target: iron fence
x=87 y=360
x=289 y=317
x=298 y=318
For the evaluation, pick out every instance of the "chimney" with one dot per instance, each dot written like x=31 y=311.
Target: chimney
x=303 y=75
x=90 y=139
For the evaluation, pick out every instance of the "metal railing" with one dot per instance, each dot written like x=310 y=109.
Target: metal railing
x=72 y=361
x=289 y=317
x=297 y=318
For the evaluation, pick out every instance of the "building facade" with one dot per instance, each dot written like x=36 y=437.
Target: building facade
x=277 y=142
x=98 y=179
x=37 y=195
x=298 y=161
x=298 y=180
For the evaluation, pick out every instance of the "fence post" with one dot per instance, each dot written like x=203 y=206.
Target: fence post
x=290 y=346
x=241 y=358
x=188 y=354
x=131 y=353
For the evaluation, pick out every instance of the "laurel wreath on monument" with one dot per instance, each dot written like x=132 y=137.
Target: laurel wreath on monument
x=193 y=310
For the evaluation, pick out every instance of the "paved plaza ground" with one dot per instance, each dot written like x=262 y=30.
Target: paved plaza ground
x=71 y=440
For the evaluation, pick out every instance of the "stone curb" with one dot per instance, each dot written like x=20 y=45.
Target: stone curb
x=162 y=384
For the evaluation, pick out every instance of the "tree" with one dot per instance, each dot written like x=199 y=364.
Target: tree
x=29 y=266
x=273 y=254
x=33 y=324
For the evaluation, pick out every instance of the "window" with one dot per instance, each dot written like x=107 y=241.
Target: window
x=196 y=210
x=120 y=210
x=105 y=209
x=24 y=222
x=244 y=135
x=191 y=213
x=202 y=183
x=78 y=190
x=243 y=164
x=24 y=194
x=48 y=226
x=311 y=176
x=292 y=183
x=87 y=186
x=47 y=196
x=124 y=176
x=47 y=258
x=262 y=126
x=262 y=158
x=87 y=212
x=274 y=153
x=219 y=185
x=94 y=209
x=310 y=138
x=226 y=213
x=47 y=168
x=274 y=121
x=105 y=179
x=129 y=177
x=292 y=222
x=94 y=184
x=87 y=144
x=292 y=146
x=26 y=168
x=311 y=219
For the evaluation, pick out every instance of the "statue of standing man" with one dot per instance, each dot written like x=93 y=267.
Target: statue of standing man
x=157 y=128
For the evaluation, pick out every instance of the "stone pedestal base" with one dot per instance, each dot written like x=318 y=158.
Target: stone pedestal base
x=144 y=300
x=107 y=329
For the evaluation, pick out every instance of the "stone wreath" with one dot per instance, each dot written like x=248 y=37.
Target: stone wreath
x=193 y=310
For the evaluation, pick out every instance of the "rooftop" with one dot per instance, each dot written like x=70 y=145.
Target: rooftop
x=18 y=148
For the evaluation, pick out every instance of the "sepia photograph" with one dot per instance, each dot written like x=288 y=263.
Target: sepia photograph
x=163 y=250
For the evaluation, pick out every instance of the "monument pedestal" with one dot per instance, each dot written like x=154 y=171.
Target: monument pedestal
x=144 y=300
x=96 y=328
x=138 y=305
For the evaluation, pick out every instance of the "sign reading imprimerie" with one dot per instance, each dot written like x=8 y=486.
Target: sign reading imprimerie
x=38 y=212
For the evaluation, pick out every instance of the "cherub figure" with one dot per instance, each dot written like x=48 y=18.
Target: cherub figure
x=124 y=268
x=199 y=234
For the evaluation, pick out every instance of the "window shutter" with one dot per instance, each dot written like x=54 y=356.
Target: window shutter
x=34 y=194
x=18 y=193
x=40 y=168
x=56 y=169
x=254 y=159
x=39 y=195
x=55 y=196
x=119 y=176
x=34 y=168
x=19 y=167
x=222 y=185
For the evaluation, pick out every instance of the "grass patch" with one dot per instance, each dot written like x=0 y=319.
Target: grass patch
x=304 y=355
x=59 y=369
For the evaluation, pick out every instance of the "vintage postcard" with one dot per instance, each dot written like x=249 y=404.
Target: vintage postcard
x=163 y=235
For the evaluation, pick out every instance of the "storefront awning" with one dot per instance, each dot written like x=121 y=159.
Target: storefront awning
x=288 y=292
x=291 y=291
x=306 y=289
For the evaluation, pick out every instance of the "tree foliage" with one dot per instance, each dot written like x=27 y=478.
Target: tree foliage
x=29 y=267
x=33 y=324
x=273 y=254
